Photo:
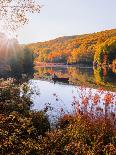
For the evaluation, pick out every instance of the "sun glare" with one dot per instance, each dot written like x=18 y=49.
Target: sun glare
x=9 y=34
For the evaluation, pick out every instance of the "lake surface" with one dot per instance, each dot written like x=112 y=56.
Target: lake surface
x=86 y=76
x=82 y=89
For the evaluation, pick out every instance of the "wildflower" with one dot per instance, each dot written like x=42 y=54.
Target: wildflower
x=96 y=99
x=100 y=89
x=85 y=101
x=108 y=98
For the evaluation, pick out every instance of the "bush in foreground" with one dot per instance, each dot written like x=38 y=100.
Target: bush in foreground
x=20 y=127
x=26 y=132
x=83 y=134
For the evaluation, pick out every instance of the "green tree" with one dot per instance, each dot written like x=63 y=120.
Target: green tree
x=28 y=60
x=106 y=52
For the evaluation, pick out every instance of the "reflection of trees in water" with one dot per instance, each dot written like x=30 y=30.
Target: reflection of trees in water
x=104 y=76
x=88 y=71
x=75 y=75
x=86 y=76
x=113 y=66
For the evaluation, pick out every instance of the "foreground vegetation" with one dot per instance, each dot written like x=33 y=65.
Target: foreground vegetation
x=26 y=132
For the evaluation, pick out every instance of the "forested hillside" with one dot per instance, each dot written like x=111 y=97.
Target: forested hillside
x=99 y=47
x=72 y=49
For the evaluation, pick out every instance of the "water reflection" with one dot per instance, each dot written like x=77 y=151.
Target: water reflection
x=81 y=91
x=81 y=76
x=105 y=76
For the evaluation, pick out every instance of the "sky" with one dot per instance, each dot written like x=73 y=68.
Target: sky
x=68 y=17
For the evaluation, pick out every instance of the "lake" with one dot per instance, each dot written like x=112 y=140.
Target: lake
x=86 y=84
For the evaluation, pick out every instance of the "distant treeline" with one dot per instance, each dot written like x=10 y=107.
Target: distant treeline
x=99 y=48
x=15 y=59
x=82 y=49
x=22 y=62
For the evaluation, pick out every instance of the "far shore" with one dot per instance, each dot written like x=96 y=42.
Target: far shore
x=63 y=65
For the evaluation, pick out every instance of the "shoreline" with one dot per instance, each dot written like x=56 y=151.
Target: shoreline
x=65 y=65
x=79 y=84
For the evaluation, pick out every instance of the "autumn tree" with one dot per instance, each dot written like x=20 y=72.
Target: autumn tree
x=13 y=13
x=106 y=52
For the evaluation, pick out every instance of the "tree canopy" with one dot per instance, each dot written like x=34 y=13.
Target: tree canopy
x=13 y=13
x=73 y=49
x=106 y=52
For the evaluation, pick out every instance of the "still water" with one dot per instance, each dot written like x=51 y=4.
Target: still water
x=83 y=87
